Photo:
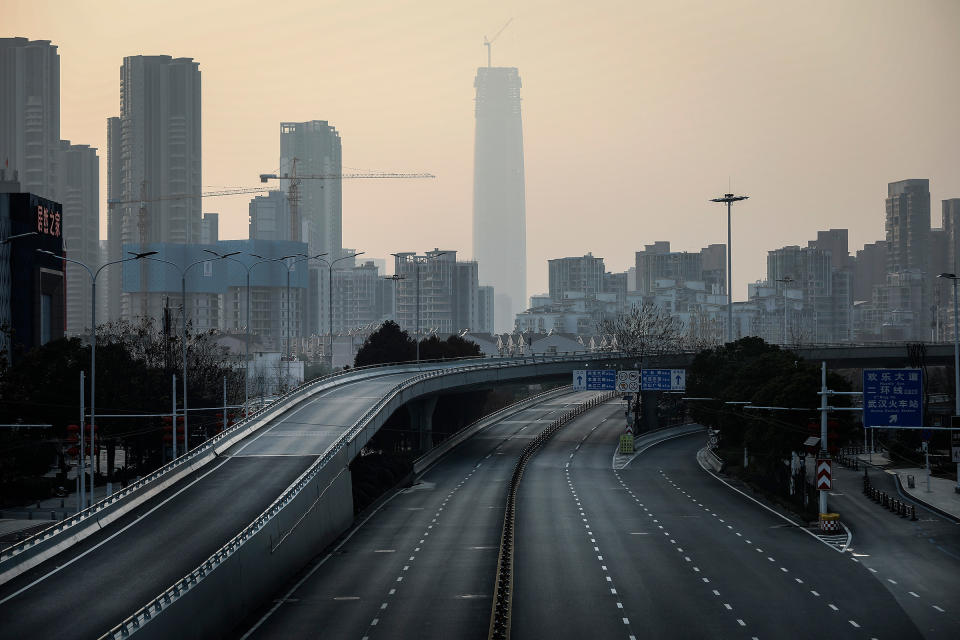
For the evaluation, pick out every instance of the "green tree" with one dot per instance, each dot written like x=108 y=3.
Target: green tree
x=750 y=370
x=387 y=344
x=433 y=348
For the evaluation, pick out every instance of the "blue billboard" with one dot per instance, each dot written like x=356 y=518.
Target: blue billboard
x=893 y=398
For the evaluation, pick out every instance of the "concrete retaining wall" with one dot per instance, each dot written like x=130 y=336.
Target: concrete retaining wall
x=233 y=589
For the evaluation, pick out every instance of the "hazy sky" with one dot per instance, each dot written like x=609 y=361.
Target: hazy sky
x=635 y=113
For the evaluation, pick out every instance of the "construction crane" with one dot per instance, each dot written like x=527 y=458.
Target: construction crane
x=293 y=190
x=489 y=42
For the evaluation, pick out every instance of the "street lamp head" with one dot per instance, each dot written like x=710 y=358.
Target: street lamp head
x=49 y=253
x=729 y=197
x=145 y=254
x=18 y=236
x=231 y=254
x=951 y=276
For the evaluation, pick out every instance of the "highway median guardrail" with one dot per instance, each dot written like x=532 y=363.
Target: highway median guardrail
x=503 y=587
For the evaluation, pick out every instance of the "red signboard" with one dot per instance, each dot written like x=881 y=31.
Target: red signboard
x=824 y=479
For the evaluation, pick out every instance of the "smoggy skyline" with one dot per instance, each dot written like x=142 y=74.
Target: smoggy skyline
x=634 y=114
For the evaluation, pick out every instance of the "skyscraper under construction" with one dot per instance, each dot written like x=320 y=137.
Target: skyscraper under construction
x=499 y=200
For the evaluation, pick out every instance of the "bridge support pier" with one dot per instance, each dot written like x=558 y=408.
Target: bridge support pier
x=421 y=419
x=648 y=410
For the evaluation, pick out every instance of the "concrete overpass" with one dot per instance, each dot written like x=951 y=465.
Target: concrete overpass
x=305 y=441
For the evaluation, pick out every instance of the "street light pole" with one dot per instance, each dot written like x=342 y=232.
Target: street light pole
x=183 y=295
x=330 y=264
x=956 y=356
x=729 y=198
x=93 y=343
x=785 y=280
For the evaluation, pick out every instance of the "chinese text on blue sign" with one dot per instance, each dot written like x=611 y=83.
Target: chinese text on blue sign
x=663 y=379
x=595 y=379
x=893 y=398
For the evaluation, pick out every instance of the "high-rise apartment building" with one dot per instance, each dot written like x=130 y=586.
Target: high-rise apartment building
x=30 y=113
x=581 y=275
x=158 y=150
x=869 y=269
x=79 y=188
x=657 y=262
x=908 y=225
x=114 y=275
x=951 y=227
x=47 y=166
x=313 y=148
x=908 y=245
x=835 y=241
x=210 y=228
x=449 y=293
x=315 y=212
x=499 y=197
x=270 y=217
x=485 y=309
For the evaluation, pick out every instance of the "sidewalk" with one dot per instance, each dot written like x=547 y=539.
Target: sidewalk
x=941 y=497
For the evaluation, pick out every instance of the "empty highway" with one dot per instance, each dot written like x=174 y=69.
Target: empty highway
x=88 y=589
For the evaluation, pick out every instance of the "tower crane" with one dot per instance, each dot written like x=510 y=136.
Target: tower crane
x=489 y=42
x=293 y=191
x=293 y=195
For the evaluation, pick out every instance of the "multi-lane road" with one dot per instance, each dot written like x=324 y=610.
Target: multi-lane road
x=85 y=591
x=661 y=548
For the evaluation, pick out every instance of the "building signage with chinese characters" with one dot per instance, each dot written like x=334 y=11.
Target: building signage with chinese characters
x=48 y=216
x=893 y=398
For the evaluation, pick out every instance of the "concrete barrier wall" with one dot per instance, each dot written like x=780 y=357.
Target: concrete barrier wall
x=60 y=536
x=232 y=590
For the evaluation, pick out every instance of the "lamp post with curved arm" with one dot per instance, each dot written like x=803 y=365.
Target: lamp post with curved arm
x=93 y=354
x=248 y=268
x=183 y=295
x=330 y=264
x=301 y=257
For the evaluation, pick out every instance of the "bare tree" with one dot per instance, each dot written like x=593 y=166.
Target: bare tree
x=704 y=331
x=644 y=330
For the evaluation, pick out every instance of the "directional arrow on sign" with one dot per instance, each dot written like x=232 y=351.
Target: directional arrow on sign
x=824 y=481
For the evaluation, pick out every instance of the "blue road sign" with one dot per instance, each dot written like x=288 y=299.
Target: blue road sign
x=893 y=398
x=595 y=379
x=663 y=379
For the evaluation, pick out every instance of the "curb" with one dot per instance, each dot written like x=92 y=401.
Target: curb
x=923 y=504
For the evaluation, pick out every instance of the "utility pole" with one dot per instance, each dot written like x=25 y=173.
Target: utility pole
x=729 y=199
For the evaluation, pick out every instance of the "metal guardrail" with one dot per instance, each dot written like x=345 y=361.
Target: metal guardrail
x=205 y=448
x=503 y=588
x=184 y=584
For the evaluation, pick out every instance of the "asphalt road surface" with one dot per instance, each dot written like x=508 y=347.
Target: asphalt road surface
x=662 y=549
x=85 y=591
x=423 y=565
